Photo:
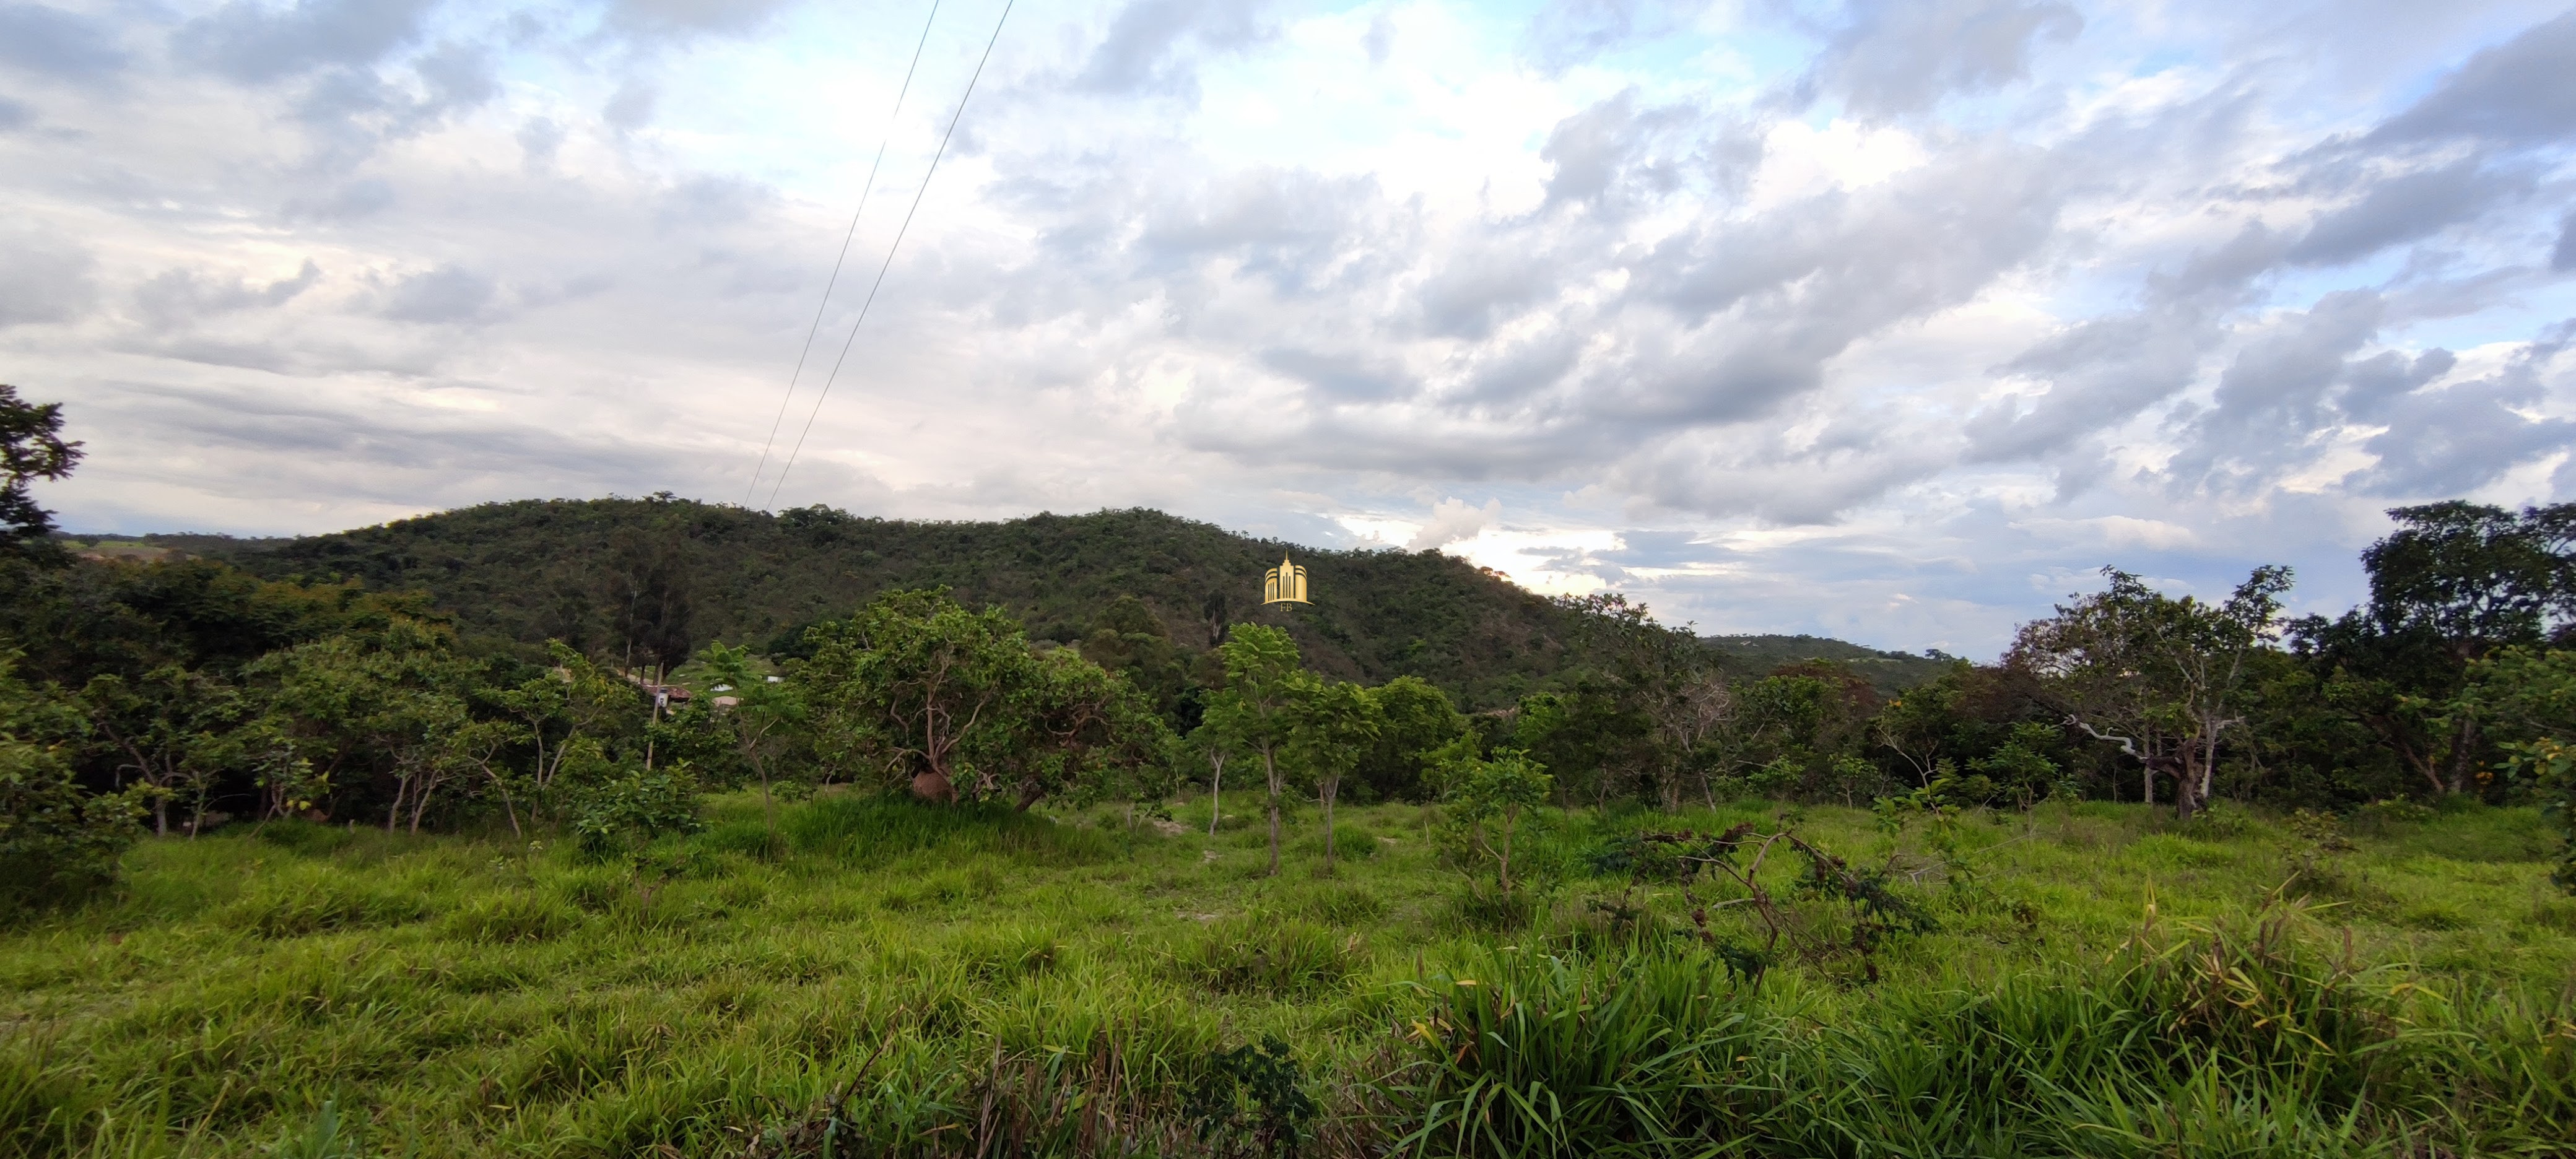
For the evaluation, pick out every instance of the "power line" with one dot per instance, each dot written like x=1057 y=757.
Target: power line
x=899 y=233
x=808 y=348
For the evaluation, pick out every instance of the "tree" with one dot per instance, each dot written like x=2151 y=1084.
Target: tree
x=2157 y=676
x=575 y=702
x=1255 y=711
x=918 y=684
x=1499 y=791
x=377 y=706
x=1072 y=728
x=57 y=842
x=168 y=730
x=1212 y=740
x=2453 y=583
x=31 y=448
x=1332 y=725
x=1415 y=718
x=2526 y=698
x=763 y=721
x=1665 y=675
x=1601 y=747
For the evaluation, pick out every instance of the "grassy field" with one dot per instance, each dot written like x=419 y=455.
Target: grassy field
x=900 y=980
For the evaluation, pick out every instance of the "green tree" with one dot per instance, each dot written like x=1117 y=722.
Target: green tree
x=170 y=731
x=1333 y=724
x=917 y=685
x=2526 y=697
x=375 y=707
x=1075 y=728
x=1256 y=711
x=2453 y=583
x=1665 y=676
x=2161 y=678
x=763 y=721
x=1496 y=791
x=1414 y=718
x=1212 y=741
x=31 y=448
x=57 y=842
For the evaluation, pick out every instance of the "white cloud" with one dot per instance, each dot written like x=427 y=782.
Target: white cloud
x=1846 y=330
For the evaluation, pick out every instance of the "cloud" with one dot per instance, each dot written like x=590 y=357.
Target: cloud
x=1453 y=520
x=179 y=297
x=1897 y=57
x=448 y=294
x=44 y=278
x=50 y=41
x=254 y=43
x=684 y=19
x=2404 y=208
x=2520 y=92
x=1847 y=324
x=1144 y=49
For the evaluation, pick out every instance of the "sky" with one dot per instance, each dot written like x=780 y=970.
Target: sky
x=1887 y=321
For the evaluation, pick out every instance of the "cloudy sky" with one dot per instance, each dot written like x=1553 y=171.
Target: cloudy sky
x=1888 y=320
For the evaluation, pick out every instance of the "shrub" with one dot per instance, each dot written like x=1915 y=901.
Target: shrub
x=634 y=807
x=58 y=844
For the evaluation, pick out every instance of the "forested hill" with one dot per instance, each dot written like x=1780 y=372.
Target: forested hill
x=1890 y=672
x=664 y=576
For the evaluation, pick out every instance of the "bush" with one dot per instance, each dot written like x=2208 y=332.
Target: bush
x=58 y=844
x=634 y=807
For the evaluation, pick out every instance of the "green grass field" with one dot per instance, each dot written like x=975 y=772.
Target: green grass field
x=902 y=980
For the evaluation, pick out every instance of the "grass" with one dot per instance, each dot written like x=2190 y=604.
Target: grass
x=905 y=980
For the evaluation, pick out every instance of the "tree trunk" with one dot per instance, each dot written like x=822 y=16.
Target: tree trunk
x=1331 y=788
x=2463 y=742
x=768 y=809
x=509 y=807
x=1270 y=767
x=1216 y=791
x=1509 y=816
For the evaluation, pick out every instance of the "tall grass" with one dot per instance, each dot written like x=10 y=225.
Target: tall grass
x=889 y=979
x=2225 y=1043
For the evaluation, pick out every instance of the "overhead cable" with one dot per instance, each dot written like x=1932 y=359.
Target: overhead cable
x=803 y=351
x=888 y=264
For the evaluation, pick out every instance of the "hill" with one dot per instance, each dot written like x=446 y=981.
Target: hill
x=1889 y=672
x=658 y=577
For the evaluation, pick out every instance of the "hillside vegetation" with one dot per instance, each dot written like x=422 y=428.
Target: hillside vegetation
x=669 y=575
x=672 y=574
